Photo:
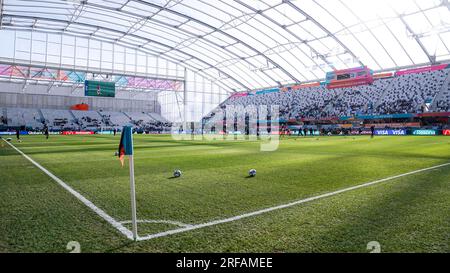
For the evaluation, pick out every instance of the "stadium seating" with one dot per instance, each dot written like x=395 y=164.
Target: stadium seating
x=149 y=122
x=409 y=93
x=88 y=120
x=115 y=119
x=59 y=119
x=401 y=94
x=443 y=99
x=158 y=117
x=30 y=118
x=358 y=100
x=139 y=116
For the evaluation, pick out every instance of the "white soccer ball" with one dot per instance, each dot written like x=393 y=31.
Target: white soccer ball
x=177 y=173
x=116 y=154
x=252 y=173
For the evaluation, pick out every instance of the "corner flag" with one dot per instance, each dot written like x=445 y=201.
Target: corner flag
x=126 y=148
x=126 y=143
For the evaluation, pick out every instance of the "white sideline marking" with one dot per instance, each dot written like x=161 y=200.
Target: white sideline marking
x=175 y=223
x=250 y=214
x=80 y=197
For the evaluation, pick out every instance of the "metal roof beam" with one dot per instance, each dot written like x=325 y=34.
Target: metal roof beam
x=221 y=32
x=417 y=39
x=291 y=33
x=135 y=36
x=323 y=29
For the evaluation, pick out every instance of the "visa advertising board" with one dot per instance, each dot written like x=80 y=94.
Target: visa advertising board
x=400 y=132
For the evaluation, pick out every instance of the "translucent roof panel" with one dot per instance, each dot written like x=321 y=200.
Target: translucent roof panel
x=251 y=44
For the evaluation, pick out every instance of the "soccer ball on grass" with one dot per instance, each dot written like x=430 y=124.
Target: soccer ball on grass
x=177 y=173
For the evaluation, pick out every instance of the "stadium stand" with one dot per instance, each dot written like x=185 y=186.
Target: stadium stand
x=88 y=120
x=396 y=95
x=149 y=122
x=158 y=117
x=359 y=100
x=443 y=99
x=401 y=94
x=139 y=116
x=18 y=117
x=59 y=119
x=410 y=92
x=115 y=119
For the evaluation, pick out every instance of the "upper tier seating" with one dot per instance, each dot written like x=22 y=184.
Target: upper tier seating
x=402 y=94
x=410 y=92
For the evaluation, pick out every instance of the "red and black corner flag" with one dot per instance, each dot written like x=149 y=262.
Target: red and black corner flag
x=126 y=143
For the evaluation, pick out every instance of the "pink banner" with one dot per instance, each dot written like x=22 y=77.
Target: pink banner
x=421 y=70
x=236 y=95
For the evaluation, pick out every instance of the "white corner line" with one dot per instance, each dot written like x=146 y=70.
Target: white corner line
x=259 y=212
x=80 y=197
x=170 y=222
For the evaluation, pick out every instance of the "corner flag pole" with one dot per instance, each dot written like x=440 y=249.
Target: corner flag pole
x=126 y=148
x=133 y=192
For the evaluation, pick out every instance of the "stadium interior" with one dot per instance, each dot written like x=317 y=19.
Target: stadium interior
x=359 y=86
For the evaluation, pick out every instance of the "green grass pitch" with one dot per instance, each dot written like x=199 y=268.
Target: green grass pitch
x=408 y=214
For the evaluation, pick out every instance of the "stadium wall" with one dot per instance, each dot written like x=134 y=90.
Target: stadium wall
x=37 y=96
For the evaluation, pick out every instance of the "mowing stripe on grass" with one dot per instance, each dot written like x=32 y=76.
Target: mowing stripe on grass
x=259 y=212
x=119 y=225
x=80 y=197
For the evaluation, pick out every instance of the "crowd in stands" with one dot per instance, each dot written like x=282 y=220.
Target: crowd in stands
x=402 y=94
x=443 y=102
x=409 y=93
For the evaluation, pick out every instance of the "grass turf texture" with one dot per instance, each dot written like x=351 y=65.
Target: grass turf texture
x=409 y=214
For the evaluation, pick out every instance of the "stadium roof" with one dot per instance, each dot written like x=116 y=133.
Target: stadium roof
x=250 y=44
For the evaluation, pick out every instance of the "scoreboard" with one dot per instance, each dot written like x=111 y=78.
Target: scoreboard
x=349 y=77
x=99 y=89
